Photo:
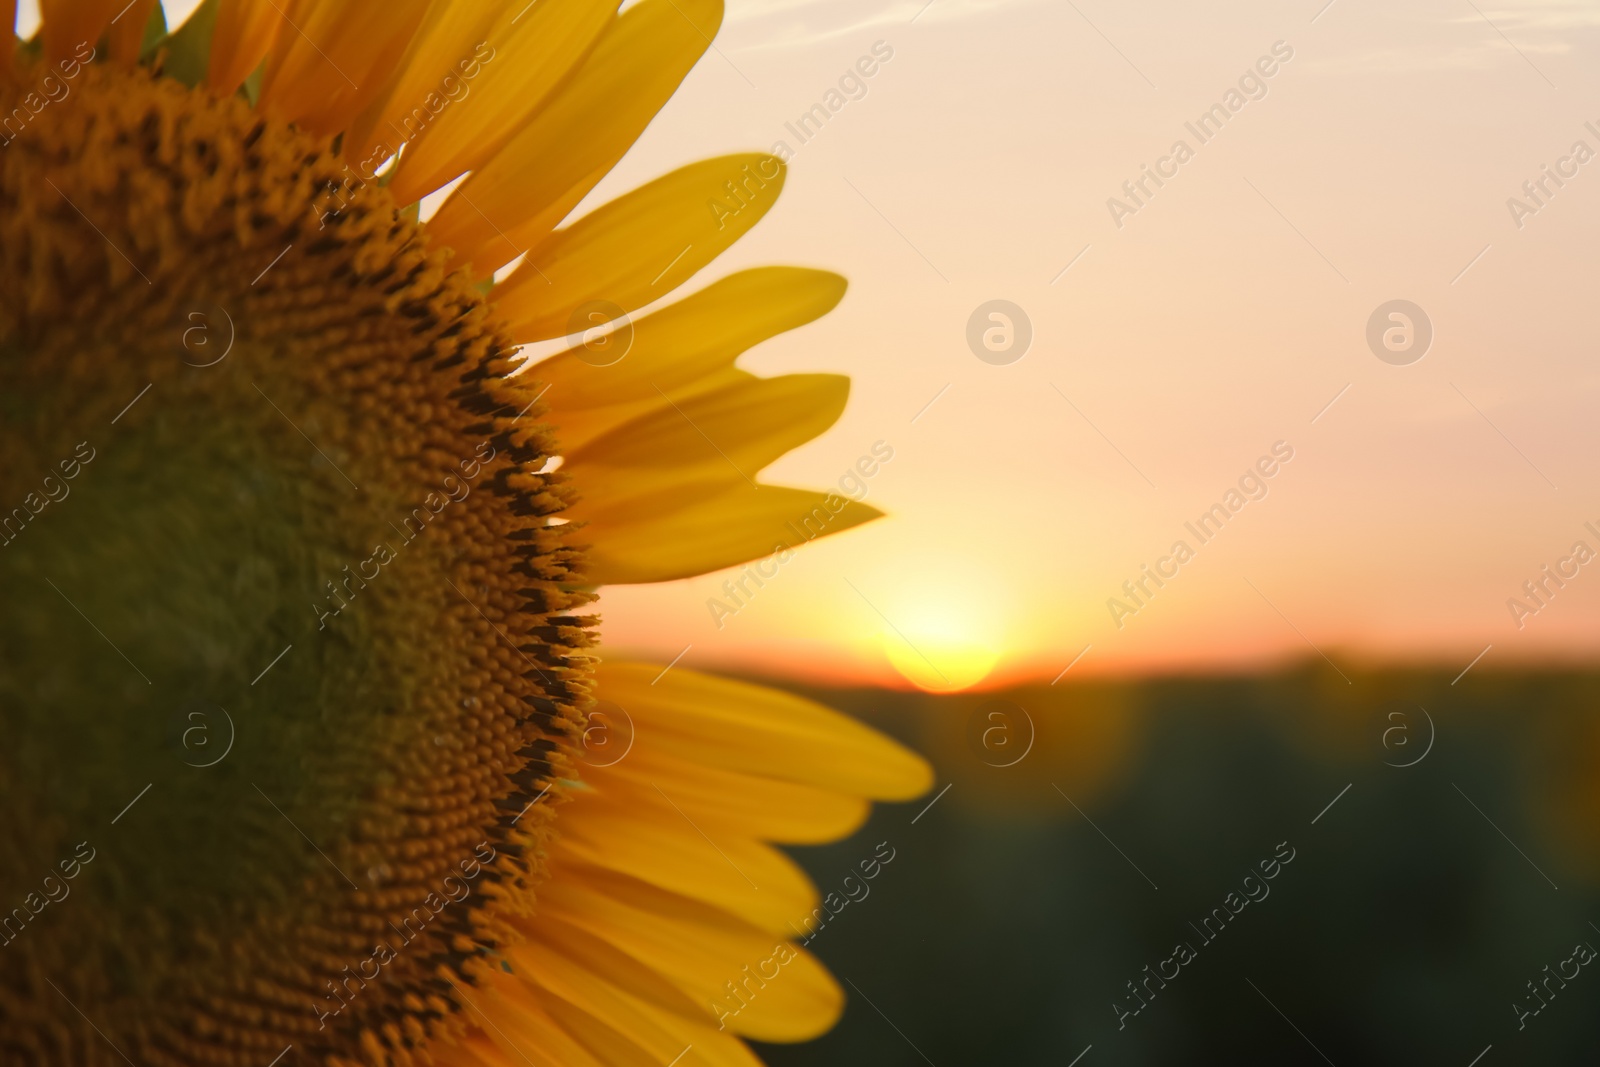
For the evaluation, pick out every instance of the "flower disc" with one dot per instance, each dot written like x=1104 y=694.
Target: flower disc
x=288 y=660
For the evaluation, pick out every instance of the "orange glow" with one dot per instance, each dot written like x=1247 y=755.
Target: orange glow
x=1172 y=347
x=939 y=664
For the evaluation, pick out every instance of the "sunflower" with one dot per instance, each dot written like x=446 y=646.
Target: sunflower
x=310 y=754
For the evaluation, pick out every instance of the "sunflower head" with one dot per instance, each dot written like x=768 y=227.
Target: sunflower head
x=293 y=663
x=312 y=464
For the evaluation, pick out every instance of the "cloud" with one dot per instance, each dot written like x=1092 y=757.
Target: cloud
x=1483 y=55
x=1495 y=38
x=759 y=24
x=1541 y=15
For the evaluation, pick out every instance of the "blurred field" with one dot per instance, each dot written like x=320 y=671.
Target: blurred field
x=1407 y=928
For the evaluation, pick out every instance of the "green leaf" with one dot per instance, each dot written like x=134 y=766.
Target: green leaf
x=252 y=84
x=155 y=31
x=188 y=50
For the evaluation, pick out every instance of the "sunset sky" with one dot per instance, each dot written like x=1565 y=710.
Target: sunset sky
x=1172 y=352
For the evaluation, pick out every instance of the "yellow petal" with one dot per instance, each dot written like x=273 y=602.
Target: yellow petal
x=758 y=730
x=476 y=1051
x=769 y=809
x=736 y=874
x=70 y=24
x=442 y=63
x=127 y=31
x=701 y=950
x=334 y=58
x=594 y=974
x=8 y=54
x=662 y=538
x=711 y=1047
x=550 y=934
x=519 y=1026
x=533 y=49
x=613 y=1027
x=727 y=434
x=679 y=349
x=246 y=31
x=640 y=246
x=515 y=199
x=672 y=492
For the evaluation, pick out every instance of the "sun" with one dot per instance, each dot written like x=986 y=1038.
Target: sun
x=941 y=666
x=941 y=650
